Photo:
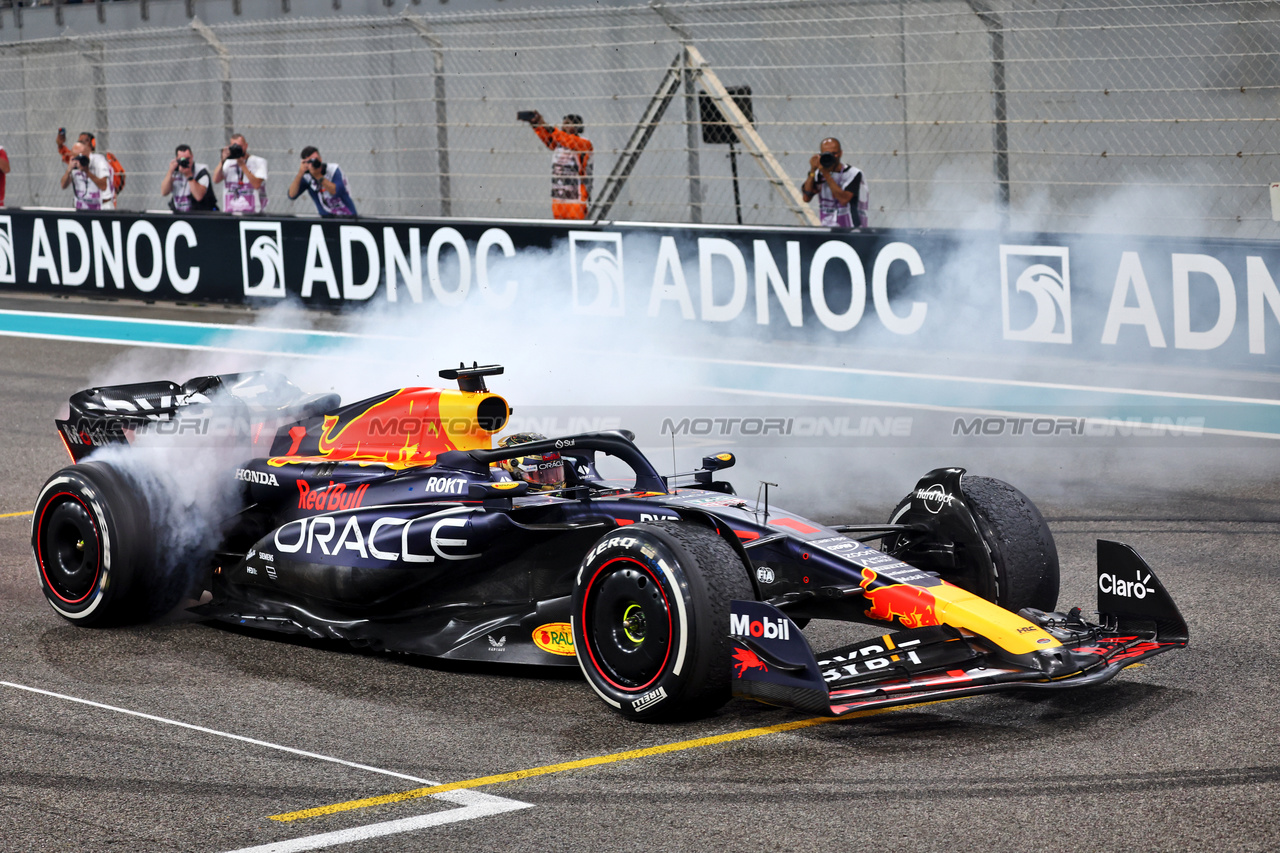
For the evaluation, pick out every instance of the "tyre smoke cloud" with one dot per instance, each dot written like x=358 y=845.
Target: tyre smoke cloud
x=555 y=358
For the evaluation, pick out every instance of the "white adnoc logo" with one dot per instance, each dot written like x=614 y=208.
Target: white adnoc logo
x=8 y=264
x=261 y=242
x=1042 y=273
x=599 y=254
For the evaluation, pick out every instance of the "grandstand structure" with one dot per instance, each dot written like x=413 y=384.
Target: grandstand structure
x=1148 y=116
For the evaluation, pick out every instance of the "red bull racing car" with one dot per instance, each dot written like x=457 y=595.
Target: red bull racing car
x=394 y=523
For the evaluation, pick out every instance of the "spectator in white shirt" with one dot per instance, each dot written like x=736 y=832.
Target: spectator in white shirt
x=89 y=177
x=245 y=178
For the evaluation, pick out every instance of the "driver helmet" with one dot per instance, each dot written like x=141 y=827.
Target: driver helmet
x=542 y=471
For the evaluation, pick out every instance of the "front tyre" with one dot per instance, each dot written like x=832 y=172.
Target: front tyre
x=90 y=534
x=1003 y=549
x=1021 y=547
x=651 y=619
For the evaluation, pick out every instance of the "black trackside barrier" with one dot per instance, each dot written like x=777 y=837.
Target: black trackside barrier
x=1115 y=299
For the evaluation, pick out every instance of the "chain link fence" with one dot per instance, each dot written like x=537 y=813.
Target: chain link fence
x=1156 y=117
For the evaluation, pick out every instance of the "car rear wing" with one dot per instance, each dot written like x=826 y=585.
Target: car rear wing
x=114 y=414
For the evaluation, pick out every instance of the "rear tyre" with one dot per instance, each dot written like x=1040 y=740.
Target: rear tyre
x=651 y=619
x=1015 y=564
x=91 y=536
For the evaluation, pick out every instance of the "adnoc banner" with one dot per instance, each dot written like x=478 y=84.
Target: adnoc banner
x=1095 y=297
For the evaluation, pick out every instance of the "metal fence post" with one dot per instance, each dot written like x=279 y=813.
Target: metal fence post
x=442 y=111
x=224 y=59
x=995 y=29
x=691 y=114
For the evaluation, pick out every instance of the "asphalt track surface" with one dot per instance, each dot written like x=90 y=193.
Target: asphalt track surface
x=188 y=737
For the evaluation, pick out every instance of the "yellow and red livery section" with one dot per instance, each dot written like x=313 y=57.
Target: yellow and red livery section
x=945 y=604
x=405 y=429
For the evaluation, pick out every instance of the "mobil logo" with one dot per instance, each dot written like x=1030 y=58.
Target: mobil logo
x=742 y=625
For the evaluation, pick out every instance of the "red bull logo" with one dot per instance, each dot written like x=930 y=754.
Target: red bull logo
x=745 y=659
x=332 y=497
x=380 y=434
x=910 y=606
x=410 y=427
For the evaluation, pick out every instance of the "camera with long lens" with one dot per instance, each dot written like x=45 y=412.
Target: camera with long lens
x=828 y=160
x=184 y=162
x=317 y=163
x=235 y=151
x=82 y=159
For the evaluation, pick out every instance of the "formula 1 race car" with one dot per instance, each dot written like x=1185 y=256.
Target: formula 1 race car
x=393 y=523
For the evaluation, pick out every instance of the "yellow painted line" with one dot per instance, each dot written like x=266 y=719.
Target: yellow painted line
x=595 y=761
x=15 y=514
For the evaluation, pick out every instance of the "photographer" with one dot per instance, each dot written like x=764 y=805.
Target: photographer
x=325 y=183
x=841 y=189
x=89 y=177
x=245 y=177
x=190 y=183
x=570 y=163
x=97 y=165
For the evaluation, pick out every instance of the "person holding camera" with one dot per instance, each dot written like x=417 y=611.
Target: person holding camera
x=324 y=182
x=245 y=177
x=89 y=177
x=189 y=182
x=98 y=165
x=570 y=163
x=841 y=189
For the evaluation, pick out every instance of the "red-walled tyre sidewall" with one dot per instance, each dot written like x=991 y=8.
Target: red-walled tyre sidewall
x=90 y=535
x=651 y=619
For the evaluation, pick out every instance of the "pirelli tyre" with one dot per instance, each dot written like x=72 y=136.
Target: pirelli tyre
x=1015 y=565
x=651 y=619
x=91 y=535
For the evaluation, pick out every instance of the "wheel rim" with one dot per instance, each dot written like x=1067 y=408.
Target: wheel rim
x=626 y=619
x=70 y=555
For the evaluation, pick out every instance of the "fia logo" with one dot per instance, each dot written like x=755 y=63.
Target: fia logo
x=267 y=249
x=596 y=272
x=8 y=264
x=1042 y=273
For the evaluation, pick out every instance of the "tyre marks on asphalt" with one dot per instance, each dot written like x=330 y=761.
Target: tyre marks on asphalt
x=472 y=804
x=517 y=775
x=594 y=761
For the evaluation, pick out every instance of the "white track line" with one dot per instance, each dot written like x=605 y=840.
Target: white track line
x=496 y=805
x=475 y=804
